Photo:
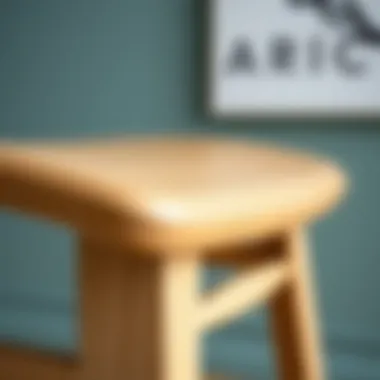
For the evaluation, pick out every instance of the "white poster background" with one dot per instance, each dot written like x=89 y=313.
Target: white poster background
x=303 y=92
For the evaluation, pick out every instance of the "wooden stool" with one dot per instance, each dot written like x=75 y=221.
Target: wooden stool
x=149 y=212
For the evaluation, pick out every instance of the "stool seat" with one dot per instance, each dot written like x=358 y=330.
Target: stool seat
x=167 y=193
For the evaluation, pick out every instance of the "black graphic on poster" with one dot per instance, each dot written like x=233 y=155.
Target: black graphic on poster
x=283 y=53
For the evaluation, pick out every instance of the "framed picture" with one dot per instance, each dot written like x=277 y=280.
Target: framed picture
x=293 y=58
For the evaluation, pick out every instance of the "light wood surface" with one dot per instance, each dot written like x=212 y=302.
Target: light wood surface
x=137 y=317
x=136 y=322
x=168 y=194
x=250 y=288
x=186 y=201
x=143 y=317
x=295 y=317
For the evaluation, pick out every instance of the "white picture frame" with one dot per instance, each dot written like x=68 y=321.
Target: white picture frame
x=293 y=58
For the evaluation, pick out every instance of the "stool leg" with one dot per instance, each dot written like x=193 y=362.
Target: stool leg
x=180 y=346
x=293 y=314
x=137 y=316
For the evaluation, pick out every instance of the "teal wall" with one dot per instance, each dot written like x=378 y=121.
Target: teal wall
x=81 y=67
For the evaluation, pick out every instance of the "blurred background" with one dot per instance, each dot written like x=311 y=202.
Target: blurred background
x=97 y=68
